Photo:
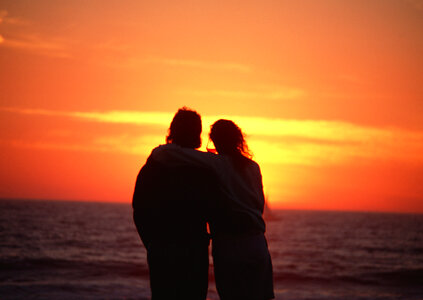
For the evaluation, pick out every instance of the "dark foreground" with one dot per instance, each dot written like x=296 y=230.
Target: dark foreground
x=76 y=250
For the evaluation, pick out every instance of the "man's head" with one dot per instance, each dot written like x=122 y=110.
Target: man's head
x=185 y=129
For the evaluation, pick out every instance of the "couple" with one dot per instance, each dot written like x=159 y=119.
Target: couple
x=179 y=191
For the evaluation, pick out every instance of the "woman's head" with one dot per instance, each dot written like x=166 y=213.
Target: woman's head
x=228 y=138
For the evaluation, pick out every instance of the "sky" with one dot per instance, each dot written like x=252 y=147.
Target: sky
x=329 y=94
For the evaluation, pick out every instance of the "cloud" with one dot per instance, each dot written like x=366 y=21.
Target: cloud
x=126 y=117
x=278 y=94
x=3 y=14
x=106 y=144
x=24 y=39
x=277 y=141
x=6 y=19
x=34 y=43
x=227 y=66
x=129 y=144
x=122 y=117
x=118 y=55
x=326 y=142
x=55 y=145
x=28 y=111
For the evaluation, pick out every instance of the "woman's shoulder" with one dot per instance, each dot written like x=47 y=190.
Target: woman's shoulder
x=246 y=164
x=251 y=163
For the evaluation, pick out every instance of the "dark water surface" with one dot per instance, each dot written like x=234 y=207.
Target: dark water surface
x=81 y=250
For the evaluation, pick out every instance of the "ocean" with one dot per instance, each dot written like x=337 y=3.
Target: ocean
x=89 y=250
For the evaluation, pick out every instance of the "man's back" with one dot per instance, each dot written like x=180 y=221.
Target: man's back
x=171 y=207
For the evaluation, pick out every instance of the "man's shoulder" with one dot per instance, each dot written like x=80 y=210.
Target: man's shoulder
x=173 y=153
x=167 y=164
x=154 y=166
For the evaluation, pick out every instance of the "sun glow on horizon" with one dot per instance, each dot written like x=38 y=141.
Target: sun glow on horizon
x=288 y=143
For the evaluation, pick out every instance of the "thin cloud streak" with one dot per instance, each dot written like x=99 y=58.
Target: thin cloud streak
x=324 y=142
x=254 y=126
x=37 y=44
x=29 y=40
x=129 y=61
x=280 y=94
x=122 y=117
x=6 y=19
x=107 y=144
x=3 y=14
x=229 y=66
x=126 y=117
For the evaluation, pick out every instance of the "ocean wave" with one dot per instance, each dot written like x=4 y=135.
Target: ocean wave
x=399 y=278
x=73 y=267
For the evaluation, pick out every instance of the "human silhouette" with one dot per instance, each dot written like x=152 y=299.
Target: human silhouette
x=242 y=262
x=170 y=210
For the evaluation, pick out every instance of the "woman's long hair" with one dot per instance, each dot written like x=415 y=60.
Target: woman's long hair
x=229 y=139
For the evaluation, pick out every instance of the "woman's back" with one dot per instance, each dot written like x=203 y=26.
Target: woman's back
x=241 y=213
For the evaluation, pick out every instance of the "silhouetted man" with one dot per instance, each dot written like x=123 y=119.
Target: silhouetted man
x=171 y=206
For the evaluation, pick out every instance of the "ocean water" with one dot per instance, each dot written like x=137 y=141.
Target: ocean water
x=82 y=250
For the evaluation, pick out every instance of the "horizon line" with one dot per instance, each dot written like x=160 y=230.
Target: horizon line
x=271 y=209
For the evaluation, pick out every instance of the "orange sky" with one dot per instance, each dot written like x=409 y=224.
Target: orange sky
x=330 y=94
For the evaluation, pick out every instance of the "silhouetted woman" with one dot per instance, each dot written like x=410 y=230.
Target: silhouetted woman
x=242 y=263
